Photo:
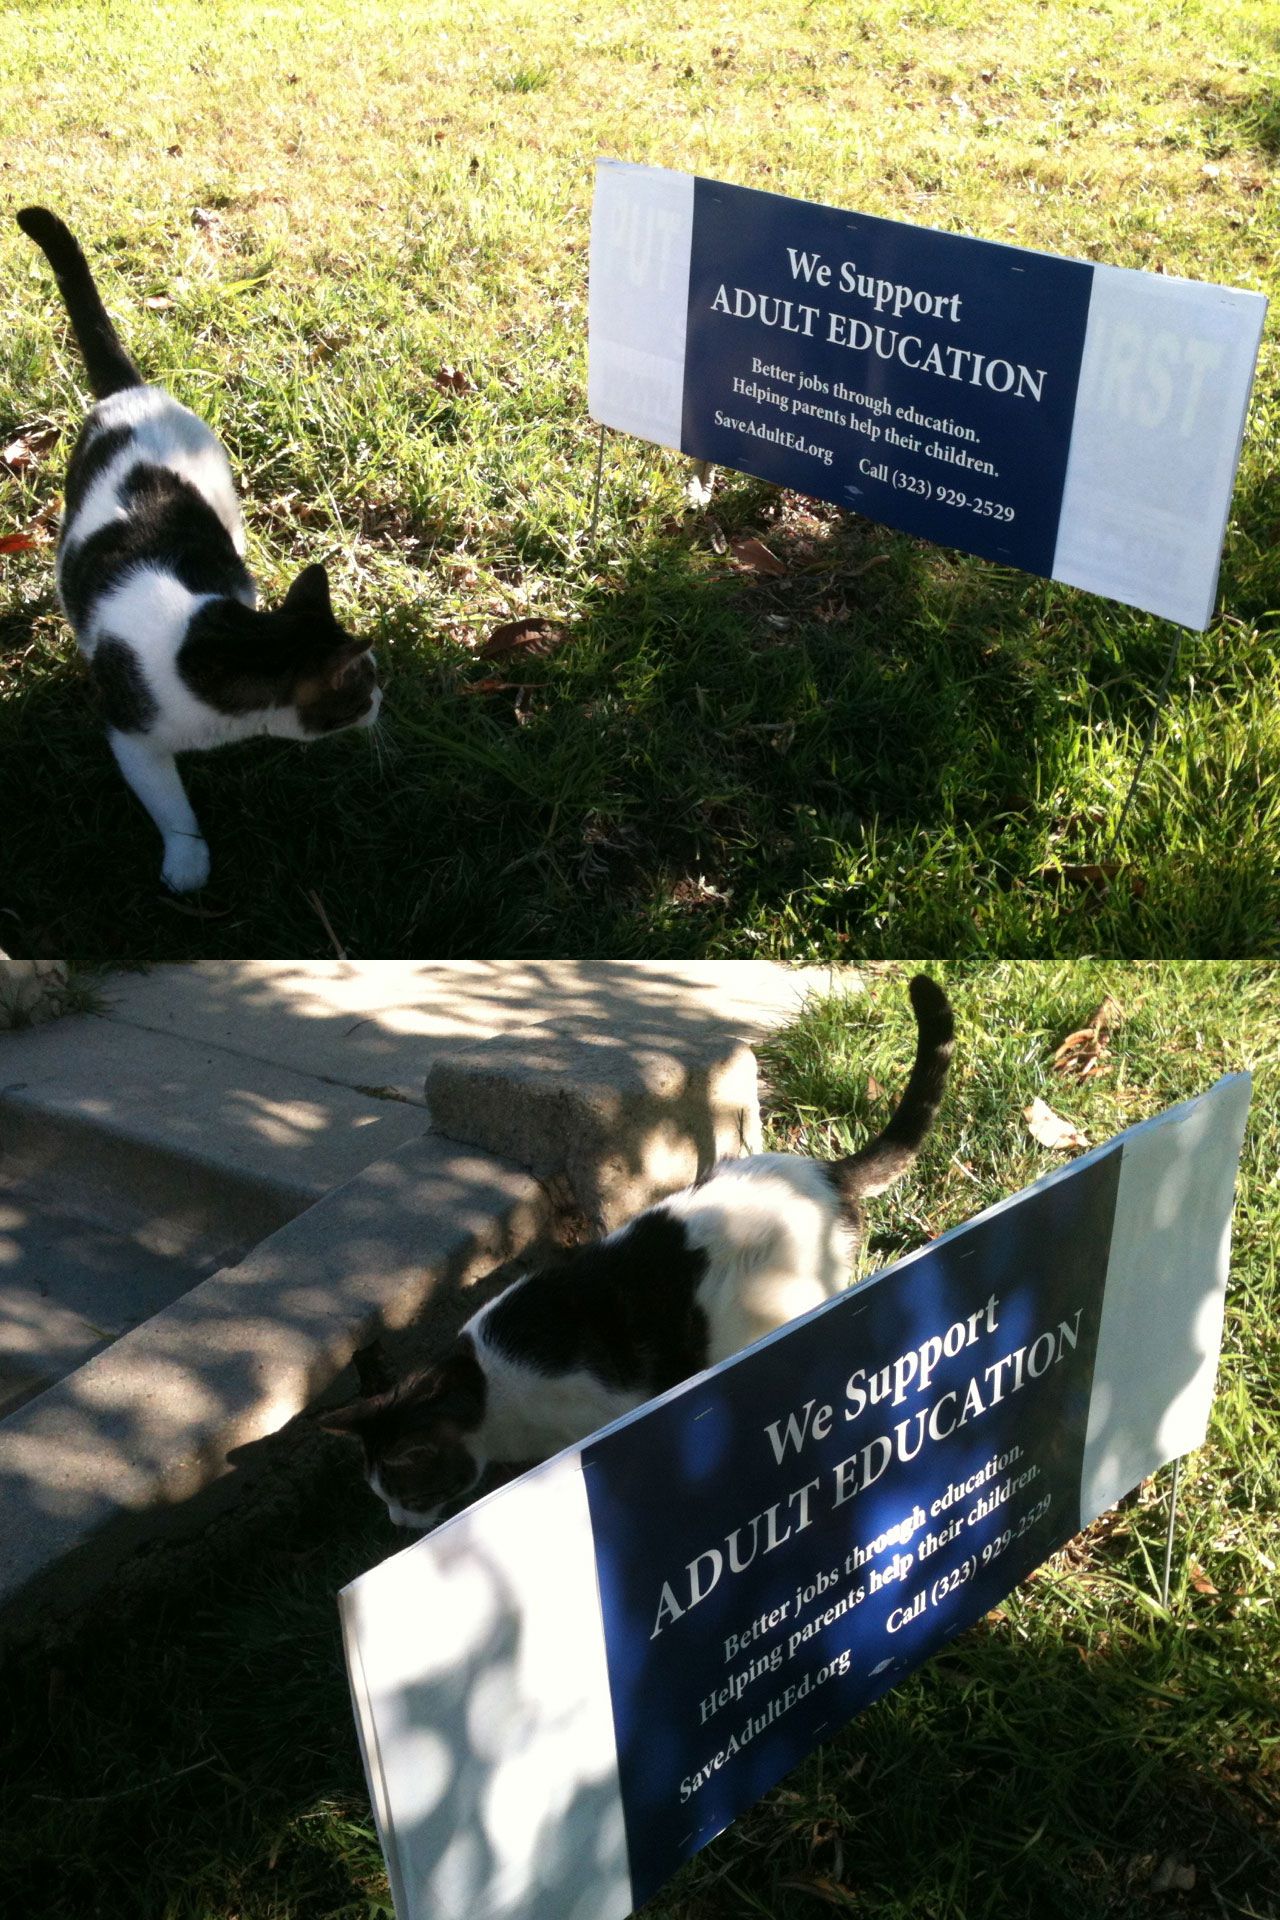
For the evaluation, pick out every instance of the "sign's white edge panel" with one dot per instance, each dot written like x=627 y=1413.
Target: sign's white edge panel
x=493 y=1624
x=1162 y=1308
x=637 y=329
x=641 y=245
x=1146 y=497
x=370 y=1747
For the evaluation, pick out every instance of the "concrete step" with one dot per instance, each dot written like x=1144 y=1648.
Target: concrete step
x=71 y=1282
x=133 y=1165
x=186 y=1131
x=192 y=1401
x=382 y=1024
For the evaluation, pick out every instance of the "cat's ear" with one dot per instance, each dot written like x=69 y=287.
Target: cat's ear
x=459 y=1390
x=309 y=592
x=352 y=1418
x=373 y=1369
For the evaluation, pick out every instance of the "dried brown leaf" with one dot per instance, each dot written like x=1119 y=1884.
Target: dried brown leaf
x=453 y=380
x=16 y=542
x=537 y=637
x=1096 y=875
x=1051 y=1130
x=755 y=557
x=821 y=1888
x=25 y=449
x=1085 y=1051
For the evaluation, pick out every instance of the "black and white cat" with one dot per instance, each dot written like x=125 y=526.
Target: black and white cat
x=591 y=1336
x=151 y=576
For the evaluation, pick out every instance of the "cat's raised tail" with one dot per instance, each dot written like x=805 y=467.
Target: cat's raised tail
x=887 y=1157
x=110 y=368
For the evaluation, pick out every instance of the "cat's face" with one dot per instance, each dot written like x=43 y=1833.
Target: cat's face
x=412 y=1432
x=337 y=685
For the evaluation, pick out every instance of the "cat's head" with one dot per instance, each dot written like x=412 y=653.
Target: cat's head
x=337 y=683
x=413 y=1433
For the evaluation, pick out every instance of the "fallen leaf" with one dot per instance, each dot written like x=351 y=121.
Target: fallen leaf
x=1201 y=1581
x=452 y=380
x=24 y=451
x=1096 y=875
x=1084 y=1051
x=492 y=686
x=16 y=542
x=822 y=1889
x=523 y=636
x=874 y=1089
x=697 y=490
x=1050 y=1129
x=753 y=555
x=158 y=302
x=1173 y=1875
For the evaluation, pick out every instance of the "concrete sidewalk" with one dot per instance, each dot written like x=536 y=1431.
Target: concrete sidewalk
x=144 y=1146
x=213 y=1189
x=377 y=1026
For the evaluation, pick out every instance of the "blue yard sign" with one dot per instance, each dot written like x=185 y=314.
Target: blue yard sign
x=568 y=1690
x=1077 y=421
x=925 y=380
x=776 y=1551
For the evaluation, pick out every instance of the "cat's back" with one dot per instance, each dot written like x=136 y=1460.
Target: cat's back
x=775 y=1244
x=151 y=525
x=143 y=426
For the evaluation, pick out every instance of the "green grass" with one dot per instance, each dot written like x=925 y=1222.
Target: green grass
x=191 y=1756
x=891 y=748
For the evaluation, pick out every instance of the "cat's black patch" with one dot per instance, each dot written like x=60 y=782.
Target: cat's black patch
x=624 y=1309
x=851 y=1213
x=241 y=661
x=235 y=659
x=93 y=452
x=127 y=701
x=169 y=524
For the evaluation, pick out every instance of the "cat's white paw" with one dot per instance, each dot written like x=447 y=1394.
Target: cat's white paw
x=186 y=862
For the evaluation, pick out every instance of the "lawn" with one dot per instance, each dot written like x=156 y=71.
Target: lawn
x=187 y=1752
x=355 y=239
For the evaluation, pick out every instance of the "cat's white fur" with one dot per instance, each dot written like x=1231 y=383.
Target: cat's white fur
x=776 y=1246
x=154 y=611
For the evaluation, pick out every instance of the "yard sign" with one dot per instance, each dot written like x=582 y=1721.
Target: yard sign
x=1078 y=421
x=569 y=1689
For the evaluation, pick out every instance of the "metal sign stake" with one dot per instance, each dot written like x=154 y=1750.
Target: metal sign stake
x=1168 y=1545
x=595 y=497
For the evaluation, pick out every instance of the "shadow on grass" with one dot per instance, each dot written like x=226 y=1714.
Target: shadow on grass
x=1008 y=1777
x=882 y=743
x=199 y=1760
